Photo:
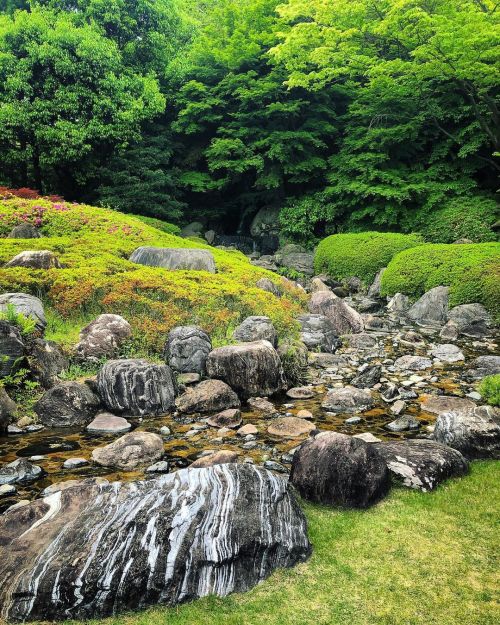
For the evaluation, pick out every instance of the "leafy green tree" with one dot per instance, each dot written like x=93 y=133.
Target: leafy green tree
x=66 y=100
x=421 y=78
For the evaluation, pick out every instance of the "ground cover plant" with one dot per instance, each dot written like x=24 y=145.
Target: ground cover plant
x=94 y=244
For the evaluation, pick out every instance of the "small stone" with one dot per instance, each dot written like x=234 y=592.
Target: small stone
x=165 y=430
x=353 y=421
x=224 y=456
x=106 y=422
x=275 y=466
x=447 y=353
x=403 y=423
x=290 y=427
x=7 y=489
x=475 y=395
x=13 y=429
x=188 y=378
x=412 y=363
x=158 y=467
x=302 y=392
x=305 y=414
x=262 y=405
x=24 y=422
x=249 y=428
x=368 y=437
x=74 y=463
x=230 y=418
x=398 y=407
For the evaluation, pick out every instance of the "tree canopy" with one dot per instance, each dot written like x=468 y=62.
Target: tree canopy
x=342 y=114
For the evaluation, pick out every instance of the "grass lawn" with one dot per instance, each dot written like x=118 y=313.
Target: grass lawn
x=414 y=558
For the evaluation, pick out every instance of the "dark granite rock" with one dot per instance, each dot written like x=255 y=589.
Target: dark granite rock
x=207 y=396
x=250 y=369
x=20 y=471
x=24 y=231
x=187 y=349
x=106 y=548
x=256 y=329
x=12 y=349
x=67 y=404
x=8 y=409
x=368 y=378
x=339 y=470
x=347 y=399
x=475 y=433
x=137 y=387
x=422 y=464
x=46 y=362
x=317 y=334
x=343 y=318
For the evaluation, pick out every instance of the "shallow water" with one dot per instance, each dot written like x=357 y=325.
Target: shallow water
x=181 y=448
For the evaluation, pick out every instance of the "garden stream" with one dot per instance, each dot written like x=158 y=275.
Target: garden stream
x=190 y=437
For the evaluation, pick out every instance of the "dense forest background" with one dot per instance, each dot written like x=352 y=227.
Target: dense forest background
x=341 y=114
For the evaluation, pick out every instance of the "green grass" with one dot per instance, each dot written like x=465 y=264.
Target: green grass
x=414 y=559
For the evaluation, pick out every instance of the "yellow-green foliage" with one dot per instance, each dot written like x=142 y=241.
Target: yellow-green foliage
x=490 y=389
x=471 y=271
x=94 y=245
x=360 y=254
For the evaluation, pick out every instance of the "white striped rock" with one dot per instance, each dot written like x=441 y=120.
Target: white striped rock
x=136 y=387
x=97 y=549
x=474 y=432
x=422 y=464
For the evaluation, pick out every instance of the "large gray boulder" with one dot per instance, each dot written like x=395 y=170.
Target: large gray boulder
x=130 y=451
x=475 y=432
x=24 y=231
x=207 y=396
x=471 y=320
x=137 y=387
x=46 y=362
x=250 y=369
x=302 y=262
x=102 y=338
x=67 y=404
x=35 y=259
x=187 y=348
x=483 y=366
x=175 y=258
x=12 y=349
x=422 y=464
x=339 y=470
x=348 y=399
x=317 y=334
x=27 y=305
x=266 y=221
x=431 y=308
x=343 y=318
x=94 y=550
x=268 y=285
x=256 y=329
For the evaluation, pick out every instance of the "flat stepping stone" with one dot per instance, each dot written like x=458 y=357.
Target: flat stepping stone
x=247 y=429
x=75 y=463
x=412 y=363
x=444 y=403
x=230 y=418
x=447 y=353
x=300 y=392
x=290 y=427
x=107 y=423
x=368 y=437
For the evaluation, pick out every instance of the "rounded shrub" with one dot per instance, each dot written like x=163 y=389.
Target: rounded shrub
x=468 y=217
x=472 y=271
x=490 y=389
x=360 y=254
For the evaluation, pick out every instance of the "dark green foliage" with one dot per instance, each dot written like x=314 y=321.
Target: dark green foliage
x=490 y=389
x=471 y=271
x=140 y=179
x=362 y=255
x=468 y=217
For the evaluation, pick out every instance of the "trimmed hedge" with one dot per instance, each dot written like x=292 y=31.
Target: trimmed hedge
x=472 y=272
x=360 y=254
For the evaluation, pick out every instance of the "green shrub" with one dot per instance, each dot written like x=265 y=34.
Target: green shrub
x=159 y=224
x=471 y=271
x=26 y=325
x=360 y=254
x=490 y=389
x=469 y=217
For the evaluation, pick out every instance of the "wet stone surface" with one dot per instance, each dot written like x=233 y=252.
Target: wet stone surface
x=186 y=438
